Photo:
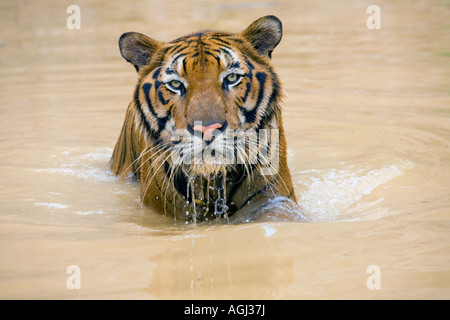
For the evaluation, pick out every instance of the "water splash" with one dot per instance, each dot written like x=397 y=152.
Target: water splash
x=90 y=212
x=90 y=166
x=51 y=205
x=333 y=194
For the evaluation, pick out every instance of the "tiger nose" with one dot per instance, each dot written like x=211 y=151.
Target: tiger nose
x=207 y=130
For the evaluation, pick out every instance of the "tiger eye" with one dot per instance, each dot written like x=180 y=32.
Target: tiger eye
x=232 y=77
x=175 y=84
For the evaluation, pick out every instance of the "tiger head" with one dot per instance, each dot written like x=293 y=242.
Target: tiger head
x=202 y=85
x=197 y=94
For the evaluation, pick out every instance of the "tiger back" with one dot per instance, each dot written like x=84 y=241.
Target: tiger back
x=203 y=132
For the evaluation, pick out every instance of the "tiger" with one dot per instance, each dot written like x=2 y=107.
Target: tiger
x=191 y=134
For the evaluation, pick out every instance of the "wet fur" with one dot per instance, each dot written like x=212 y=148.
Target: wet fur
x=143 y=148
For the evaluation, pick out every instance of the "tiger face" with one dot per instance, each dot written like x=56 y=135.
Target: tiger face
x=202 y=100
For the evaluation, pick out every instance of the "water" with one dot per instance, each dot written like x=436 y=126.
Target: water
x=367 y=122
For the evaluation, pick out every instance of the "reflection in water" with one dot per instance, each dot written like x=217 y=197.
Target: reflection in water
x=366 y=116
x=238 y=265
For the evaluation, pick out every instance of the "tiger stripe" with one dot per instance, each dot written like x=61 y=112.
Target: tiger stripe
x=221 y=79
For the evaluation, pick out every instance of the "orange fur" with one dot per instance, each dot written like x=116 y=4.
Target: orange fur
x=215 y=77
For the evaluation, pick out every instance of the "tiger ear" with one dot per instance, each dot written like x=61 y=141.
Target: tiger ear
x=137 y=48
x=264 y=34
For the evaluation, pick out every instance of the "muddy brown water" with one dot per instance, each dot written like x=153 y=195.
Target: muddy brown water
x=367 y=119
